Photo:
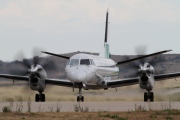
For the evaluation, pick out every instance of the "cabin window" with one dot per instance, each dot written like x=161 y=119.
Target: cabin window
x=84 y=62
x=74 y=62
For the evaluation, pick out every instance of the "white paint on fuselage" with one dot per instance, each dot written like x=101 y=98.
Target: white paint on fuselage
x=88 y=74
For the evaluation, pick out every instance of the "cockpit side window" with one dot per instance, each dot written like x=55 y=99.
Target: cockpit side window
x=84 y=62
x=68 y=62
x=74 y=62
x=92 y=62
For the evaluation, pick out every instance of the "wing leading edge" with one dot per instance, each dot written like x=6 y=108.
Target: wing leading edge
x=166 y=76
x=122 y=82
x=58 y=82
x=15 y=77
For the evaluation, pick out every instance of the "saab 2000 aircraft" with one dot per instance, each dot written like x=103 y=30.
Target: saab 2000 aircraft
x=86 y=71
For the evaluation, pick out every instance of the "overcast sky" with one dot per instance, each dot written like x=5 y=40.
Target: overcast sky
x=63 y=26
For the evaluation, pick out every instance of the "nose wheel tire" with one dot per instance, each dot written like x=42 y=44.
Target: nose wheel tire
x=149 y=96
x=80 y=98
x=40 y=98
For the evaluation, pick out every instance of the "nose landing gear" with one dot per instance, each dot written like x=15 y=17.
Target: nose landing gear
x=80 y=98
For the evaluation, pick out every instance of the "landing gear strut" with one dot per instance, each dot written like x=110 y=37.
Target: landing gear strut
x=80 y=98
x=148 y=95
x=40 y=97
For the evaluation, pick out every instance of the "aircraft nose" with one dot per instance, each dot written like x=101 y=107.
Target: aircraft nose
x=78 y=75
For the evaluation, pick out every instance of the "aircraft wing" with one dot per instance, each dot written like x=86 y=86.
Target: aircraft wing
x=59 y=82
x=67 y=83
x=132 y=81
x=110 y=83
x=13 y=84
x=166 y=76
x=15 y=77
x=122 y=82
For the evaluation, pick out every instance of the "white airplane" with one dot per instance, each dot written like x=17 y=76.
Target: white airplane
x=86 y=71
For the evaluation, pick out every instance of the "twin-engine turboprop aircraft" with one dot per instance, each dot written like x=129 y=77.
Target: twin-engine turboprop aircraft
x=86 y=71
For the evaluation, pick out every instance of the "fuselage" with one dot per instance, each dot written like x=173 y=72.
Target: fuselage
x=90 y=69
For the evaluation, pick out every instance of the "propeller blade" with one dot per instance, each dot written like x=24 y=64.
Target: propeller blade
x=26 y=63
x=22 y=65
x=36 y=55
x=46 y=63
x=142 y=58
x=49 y=64
x=141 y=50
x=36 y=60
x=37 y=51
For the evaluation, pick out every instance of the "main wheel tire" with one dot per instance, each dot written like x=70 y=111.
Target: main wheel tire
x=43 y=98
x=151 y=97
x=78 y=99
x=145 y=96
x=36 y=98
x=82 y=98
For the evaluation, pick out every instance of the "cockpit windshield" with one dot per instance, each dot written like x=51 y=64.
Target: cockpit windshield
x=74 y=62
x=84 y=62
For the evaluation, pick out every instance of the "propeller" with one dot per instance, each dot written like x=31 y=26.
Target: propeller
x=23 y=65
x=140 y=51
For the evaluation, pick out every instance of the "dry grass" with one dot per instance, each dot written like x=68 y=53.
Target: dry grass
x=137 y=115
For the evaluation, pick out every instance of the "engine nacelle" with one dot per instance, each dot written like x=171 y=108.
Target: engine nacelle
x=143 y=82
x=37 y=76
x=146 y=82
x=34 y=80
x=37 y=84
x=144 y=79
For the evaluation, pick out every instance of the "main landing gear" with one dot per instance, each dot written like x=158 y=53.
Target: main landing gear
x=80 y=98
x=148 y=95
x=40 y=97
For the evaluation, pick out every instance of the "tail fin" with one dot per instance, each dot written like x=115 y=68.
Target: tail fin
x=105 y=52
x=106 y=29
